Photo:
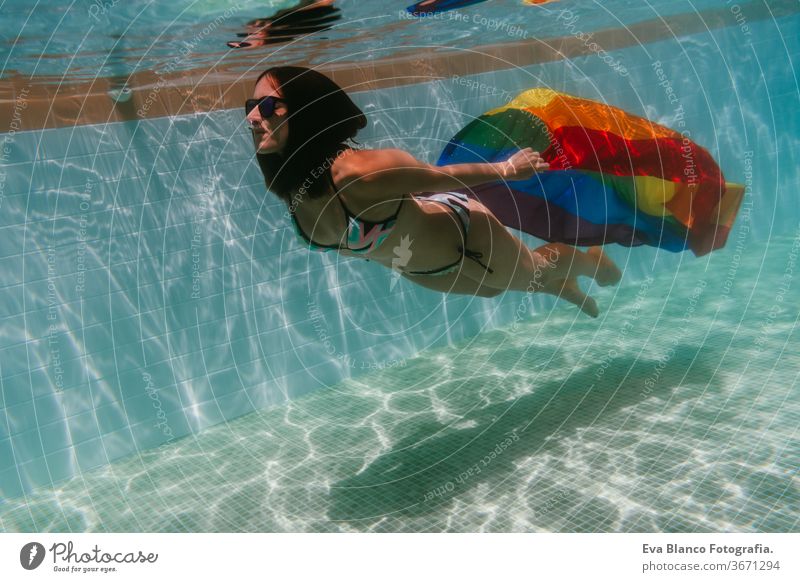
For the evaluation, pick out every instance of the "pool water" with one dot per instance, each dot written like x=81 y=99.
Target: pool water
x=661 y=418
x=88 y=39
x=676 y=410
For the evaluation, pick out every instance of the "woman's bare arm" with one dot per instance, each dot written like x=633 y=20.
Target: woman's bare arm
x=398 y=172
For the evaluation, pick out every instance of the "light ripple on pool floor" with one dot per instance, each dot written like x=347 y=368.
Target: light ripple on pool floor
x=657 y=418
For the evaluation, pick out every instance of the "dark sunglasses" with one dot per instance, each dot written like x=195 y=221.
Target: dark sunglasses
x=266 y=106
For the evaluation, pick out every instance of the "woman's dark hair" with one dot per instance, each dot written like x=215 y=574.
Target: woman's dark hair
x=321 y=119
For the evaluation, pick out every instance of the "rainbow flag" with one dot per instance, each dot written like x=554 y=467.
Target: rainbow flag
x=614 y=177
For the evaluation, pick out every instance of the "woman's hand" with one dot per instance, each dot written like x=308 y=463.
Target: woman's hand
x=522 y=165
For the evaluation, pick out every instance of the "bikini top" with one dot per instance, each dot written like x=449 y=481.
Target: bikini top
x=363 y=236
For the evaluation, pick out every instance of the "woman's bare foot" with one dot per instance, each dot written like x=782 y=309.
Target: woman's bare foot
x=572 y=293
x=607 y=271
x=569 y=290
x=558 y=267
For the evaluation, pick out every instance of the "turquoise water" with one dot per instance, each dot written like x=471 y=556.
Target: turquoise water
x=96 y=38
x=669 y=415
x=183 y=307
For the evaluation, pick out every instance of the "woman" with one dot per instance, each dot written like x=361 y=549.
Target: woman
x=367 y=203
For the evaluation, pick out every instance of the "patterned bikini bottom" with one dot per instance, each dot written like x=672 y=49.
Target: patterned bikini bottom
x=459 y=204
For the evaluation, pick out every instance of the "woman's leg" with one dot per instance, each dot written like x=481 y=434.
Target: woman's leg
x=454 y=282
x=552 y=268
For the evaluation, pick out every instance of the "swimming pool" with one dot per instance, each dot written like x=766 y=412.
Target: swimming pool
x=168 y=342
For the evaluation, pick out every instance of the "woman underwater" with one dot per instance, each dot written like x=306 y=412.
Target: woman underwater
x=370 y=203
